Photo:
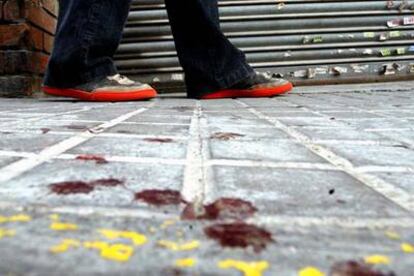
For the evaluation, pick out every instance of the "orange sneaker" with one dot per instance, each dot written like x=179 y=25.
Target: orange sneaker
x=111 y=89
x=257 y=86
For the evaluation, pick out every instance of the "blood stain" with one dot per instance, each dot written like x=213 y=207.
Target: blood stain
x=110 y=182
x=71 y=187
x=158 y=140
x=240 y=234
x=183 y=108
x=225 y=136
x=89 y=157
x=77 y=127
x=45 y=130
x=82 y=187
x=223 y=208
x=160 y=197
x=355 y=268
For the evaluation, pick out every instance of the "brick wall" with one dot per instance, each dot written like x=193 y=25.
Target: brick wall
x=26 y=41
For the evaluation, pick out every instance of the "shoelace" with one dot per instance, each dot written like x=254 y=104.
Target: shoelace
x=123 y=80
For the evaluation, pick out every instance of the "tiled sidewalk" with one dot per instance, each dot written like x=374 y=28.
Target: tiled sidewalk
x=330 y=171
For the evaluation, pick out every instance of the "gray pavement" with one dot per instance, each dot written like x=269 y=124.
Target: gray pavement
x=321 y=177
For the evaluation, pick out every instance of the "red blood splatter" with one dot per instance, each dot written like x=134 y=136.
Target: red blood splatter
x=77 y=127
x=225 y=136
x=45 y=130
x=158 y=140
x=239 y=235
x=89 y=157
x=71 y=187
x=110 y=182
x=224 y=208
x=355 y=268
x=159 y=197
x=82 y=187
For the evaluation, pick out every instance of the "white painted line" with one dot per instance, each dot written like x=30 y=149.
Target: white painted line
x=106 y=134
x=393 y=193
x=12 y=153
x=265 y=164
x=379 y=169
x=34 y=119
x=195 y=177
x=130 y=159
x=343 y=222
x=19 y=167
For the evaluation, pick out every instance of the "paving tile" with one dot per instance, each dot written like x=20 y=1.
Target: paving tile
x=29 y=142
x=33 y=187
x=297 y=192
x=132 y=147
x=267 y=150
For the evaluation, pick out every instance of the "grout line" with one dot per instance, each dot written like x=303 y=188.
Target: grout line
x=19 y=167
x=395 y=194
x=343 y=222
x=130 y=159
x=34 y=119
x=266 y=220
x=195 y=177
x=220 y=162
x=132 y=212
x=106 y=134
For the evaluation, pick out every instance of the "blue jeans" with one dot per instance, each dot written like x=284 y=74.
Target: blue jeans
x=89 y=32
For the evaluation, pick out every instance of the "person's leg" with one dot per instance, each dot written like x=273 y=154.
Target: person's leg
x=213 y=66
x=87 y=36
x=209 y=60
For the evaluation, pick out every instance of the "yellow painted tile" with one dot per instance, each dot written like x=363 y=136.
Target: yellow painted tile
x=248 y=268
x=136 y=238
x=188 y=262
x=191 y=245
x=377 y=259
x=310 y=271
x=407 y=248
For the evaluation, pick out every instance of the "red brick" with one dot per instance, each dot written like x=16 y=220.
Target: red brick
x=19 y=86
x=51 y=6
x=48 y=42
x=22 y=61
x=35 y=39
x=39 y=17
x=12 y=10
x=13 y=35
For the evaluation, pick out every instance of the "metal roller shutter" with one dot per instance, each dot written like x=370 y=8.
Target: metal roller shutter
x=308 y=42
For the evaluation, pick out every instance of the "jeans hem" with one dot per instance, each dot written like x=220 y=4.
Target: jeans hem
x=94 y=74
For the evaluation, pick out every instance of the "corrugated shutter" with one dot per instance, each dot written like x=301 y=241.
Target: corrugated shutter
x=306 y=41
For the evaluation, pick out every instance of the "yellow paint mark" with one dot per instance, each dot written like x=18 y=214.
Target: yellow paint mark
x=65 y=245
x=15 y=218
x=136 y=238
x=168 y=223
x=60 y=226
x=191 y=245
x=249 y=269
x=407 y=248
x=54 y=217
x=377 y=259
x=392 y=235
x=310 y=271
x=6 y=233
x=115 y=252
x=189 y=262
